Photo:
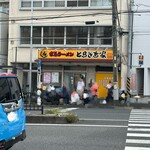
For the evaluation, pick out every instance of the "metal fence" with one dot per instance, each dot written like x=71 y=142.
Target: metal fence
x=34 y=107
x=30 y=103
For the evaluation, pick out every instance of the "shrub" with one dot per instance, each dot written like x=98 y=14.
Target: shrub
x=71 y=117
x=54 y=111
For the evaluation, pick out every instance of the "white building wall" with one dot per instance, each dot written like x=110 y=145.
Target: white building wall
x=141 y=36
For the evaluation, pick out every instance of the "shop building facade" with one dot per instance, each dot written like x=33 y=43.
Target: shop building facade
x=70 y=38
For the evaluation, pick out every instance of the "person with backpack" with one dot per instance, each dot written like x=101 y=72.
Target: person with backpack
x=123 y=97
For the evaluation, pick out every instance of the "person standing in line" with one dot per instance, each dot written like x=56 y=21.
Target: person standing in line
x=65 y=93
x=80 y=87
x=109 y=88
x=74 y=98
x=94 y=90
x=109 y=85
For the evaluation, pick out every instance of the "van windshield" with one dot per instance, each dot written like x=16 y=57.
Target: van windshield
x=9 y=90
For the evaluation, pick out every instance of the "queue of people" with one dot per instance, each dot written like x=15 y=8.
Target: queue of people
x=83 y=95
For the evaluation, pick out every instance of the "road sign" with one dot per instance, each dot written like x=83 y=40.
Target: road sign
x=39 y=63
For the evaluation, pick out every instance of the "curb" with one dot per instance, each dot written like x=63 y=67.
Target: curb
x=45 y=119
x=52 y=119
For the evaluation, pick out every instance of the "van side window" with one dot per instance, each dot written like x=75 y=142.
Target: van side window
x=5 y=94
x=14 y=88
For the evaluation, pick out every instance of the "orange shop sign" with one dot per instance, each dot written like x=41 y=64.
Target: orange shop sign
x=75 y=54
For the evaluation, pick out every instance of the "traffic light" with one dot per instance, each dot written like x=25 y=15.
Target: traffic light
x=141 y=57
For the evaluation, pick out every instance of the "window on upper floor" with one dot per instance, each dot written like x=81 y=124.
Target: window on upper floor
x=37 y=3
x=52 y=4
x=103 y=33
x=25 y=34
x=76 y=35
x=68 y=35
x=98 y=3
x=77 y=3
x=53 y=35
x=25 y=3
x=37 y=35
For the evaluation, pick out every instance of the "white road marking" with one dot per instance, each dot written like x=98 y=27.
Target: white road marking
x=76 y=125
x=140 y=125
x=140 y=110
x=138 y=135
x=139 y=121
x=138 y=141
x=139 y=129
x=137 y=116
x=137 y=148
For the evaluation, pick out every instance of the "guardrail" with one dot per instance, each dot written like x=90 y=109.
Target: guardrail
x=34 y=107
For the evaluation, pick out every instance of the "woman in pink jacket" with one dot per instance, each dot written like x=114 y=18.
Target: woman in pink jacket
x=94 y=90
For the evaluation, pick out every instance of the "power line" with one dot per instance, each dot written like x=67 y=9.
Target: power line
x=69 y=16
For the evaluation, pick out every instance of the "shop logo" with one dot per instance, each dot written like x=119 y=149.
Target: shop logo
x=43 y=54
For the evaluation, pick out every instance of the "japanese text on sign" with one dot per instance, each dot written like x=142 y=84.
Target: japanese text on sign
x=76 y=54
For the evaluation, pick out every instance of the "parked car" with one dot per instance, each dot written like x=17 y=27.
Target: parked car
x=12 y=114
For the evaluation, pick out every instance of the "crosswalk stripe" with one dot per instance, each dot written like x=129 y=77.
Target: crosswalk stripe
x=140 y=121
x=139 y=129
x=140 y=125
x=137 y=141
x=136 y=148
x=138 y=132
x=138 y=135
x=133 y=117
x=140 y=110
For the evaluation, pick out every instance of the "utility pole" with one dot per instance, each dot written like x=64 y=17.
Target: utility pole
x=129 y=48
x=115 y=55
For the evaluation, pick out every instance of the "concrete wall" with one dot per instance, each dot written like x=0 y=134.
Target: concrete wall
x=141 y=36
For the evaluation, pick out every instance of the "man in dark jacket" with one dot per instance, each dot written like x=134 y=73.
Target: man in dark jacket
x=65 y=94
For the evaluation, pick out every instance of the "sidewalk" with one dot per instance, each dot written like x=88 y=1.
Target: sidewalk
x=141 y=102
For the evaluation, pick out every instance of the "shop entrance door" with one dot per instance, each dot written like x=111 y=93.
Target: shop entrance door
x=71 y=79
